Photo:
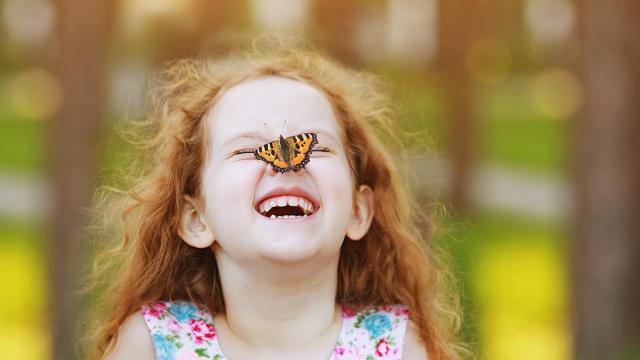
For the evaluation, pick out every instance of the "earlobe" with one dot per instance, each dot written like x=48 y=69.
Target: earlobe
x=193 y=228
x=362 y=214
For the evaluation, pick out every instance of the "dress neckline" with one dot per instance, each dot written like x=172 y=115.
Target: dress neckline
x=180 y=329
x=341 y=334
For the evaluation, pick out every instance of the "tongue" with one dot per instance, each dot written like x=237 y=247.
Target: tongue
x=285 y=210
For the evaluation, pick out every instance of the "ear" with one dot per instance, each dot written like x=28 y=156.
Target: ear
x=362 y=213
x=193 y=229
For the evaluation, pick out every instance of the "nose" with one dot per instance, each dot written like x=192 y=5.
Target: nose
x=271 y=170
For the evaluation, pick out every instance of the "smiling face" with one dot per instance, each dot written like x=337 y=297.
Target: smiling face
x=257 y=214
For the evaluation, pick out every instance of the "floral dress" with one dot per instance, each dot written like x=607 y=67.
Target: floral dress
x=183 y=331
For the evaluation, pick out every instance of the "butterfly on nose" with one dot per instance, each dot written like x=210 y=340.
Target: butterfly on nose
x=291 y=153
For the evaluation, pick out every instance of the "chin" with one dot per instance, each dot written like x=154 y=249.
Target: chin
x=287 y=252
x=290 y=251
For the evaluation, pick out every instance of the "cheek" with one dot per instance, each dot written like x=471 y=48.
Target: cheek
x=335 y=181
x=229 y=188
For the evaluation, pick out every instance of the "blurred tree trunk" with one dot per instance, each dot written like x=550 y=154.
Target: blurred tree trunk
x=456 y=33
x=334 y=27
x=83 y=31
x=606 y=247
x=461 y=25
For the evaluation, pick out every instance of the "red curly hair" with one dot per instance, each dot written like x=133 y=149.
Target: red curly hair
x=393 y=264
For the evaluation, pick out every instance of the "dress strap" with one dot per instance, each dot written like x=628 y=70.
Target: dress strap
x=376 y=333
x=181 y=330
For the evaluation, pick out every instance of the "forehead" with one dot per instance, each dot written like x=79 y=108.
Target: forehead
x=269 y=106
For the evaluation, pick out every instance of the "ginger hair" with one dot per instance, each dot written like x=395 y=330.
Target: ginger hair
x=145 y=261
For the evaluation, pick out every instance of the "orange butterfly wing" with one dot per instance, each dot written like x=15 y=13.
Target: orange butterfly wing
x=271 y=153
x=302 y=147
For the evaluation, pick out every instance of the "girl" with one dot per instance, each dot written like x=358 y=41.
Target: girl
x=229 y=254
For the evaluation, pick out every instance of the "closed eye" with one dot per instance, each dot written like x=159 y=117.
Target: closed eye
x=240 y=152
x=323 y=148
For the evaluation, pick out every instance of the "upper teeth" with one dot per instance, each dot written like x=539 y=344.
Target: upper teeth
x=287 y=200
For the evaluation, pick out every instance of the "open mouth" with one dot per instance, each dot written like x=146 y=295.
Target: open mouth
x=286 y=207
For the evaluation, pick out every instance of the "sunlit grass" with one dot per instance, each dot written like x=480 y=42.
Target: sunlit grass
x=19 y=341
x=515 y=133
x=522 y=299
x=22 y=145
x=513 y=282
x=23 y=319
x=512 y=129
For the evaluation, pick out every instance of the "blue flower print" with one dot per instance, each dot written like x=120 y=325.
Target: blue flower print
x=183 y=311
x=377 y=324
x=165 y=349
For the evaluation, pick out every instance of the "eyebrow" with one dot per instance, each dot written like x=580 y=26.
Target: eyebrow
x=257 y=135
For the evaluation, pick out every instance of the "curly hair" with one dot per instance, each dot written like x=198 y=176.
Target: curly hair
x=148 y=262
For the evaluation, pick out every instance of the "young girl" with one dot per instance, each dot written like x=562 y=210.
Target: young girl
x=231 y=251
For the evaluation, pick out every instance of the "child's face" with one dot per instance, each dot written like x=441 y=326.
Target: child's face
x=238 y=186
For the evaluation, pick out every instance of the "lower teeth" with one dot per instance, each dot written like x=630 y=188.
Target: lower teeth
x=288 y=216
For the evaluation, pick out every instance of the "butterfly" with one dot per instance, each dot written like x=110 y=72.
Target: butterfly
x=292 y=153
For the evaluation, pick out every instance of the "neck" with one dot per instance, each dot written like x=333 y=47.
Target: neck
x=268 y=314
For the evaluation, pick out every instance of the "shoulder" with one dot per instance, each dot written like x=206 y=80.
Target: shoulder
x=414 y=348
x=134 y=340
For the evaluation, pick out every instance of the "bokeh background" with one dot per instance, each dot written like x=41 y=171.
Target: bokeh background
x=523 y=117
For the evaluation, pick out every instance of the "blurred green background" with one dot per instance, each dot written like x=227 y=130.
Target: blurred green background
x=508 y=73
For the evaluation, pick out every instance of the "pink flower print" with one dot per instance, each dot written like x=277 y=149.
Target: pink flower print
x=348 y=311
x=386 y=308
x=201 y=330
x=174 y=326
x=401 y=310
x=155 y=310
x=382 y=348
x=347 y=353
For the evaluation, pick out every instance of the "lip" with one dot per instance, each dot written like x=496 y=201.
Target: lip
x=292 y=191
